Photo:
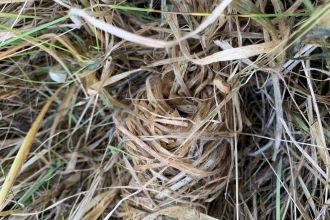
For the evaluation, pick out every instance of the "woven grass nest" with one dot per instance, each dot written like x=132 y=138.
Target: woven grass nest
x=183 y=139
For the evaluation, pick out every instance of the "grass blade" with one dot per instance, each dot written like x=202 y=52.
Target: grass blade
x=24 y=150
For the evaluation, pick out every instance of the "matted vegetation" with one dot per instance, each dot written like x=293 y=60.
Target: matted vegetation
x=164 y=109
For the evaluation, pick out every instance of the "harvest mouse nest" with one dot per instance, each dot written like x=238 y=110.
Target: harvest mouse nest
x=183 y=144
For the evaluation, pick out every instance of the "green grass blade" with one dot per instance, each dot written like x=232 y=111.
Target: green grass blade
x=28 y=33
x=301 y=122
x=41 y=181
x=309 y=5
x=123 y=152
x=14 y=15
x=278 y=190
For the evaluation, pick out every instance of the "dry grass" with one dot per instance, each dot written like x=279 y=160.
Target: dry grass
x=167 y=115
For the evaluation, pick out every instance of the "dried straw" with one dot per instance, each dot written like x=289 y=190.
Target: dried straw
x=161 y=131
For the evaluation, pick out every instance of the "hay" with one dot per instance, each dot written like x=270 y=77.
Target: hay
x=149 y=123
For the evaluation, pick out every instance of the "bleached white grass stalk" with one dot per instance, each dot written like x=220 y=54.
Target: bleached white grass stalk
x=305 y=51
x=289 y=65
x=75 y=12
